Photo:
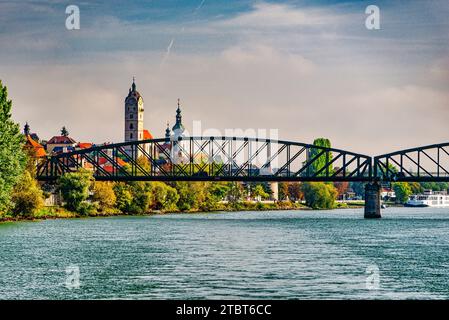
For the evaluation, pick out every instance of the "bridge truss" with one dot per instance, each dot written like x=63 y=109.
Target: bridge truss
x=210 y=159
x=429 y=163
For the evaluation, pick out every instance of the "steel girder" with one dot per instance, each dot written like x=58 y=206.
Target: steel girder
x=423 y=164
x=211 y=159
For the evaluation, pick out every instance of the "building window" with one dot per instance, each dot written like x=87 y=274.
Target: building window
x=131 y=115
x=130 y=135
x=131 y=126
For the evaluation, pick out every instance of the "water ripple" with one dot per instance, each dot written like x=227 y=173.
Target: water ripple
x=251 y=255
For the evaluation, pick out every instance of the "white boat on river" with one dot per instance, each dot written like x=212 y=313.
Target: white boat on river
x=429 y=199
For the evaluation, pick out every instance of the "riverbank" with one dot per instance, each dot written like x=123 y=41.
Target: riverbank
x=58 y=212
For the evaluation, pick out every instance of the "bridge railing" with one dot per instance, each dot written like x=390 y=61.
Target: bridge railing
x=211 y=159
x=428 y=163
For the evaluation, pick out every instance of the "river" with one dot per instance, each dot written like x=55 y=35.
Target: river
x=254 y=255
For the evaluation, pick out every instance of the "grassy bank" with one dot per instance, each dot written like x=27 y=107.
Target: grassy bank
x=61 y=213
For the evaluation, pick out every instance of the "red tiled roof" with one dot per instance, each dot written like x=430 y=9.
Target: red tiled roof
x=104 y=162
x=85 y=145
x=147 y=135
x=40 y=152
x=61 y=140
x=109 y=168
x=32 y=143
x=38 y=148
x=120 y=162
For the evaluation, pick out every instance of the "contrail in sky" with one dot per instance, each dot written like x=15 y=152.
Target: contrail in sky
x=200 y=6
x=170 y=45
x=167 y=53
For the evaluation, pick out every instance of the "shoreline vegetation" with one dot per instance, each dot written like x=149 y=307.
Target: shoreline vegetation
x=59 y=212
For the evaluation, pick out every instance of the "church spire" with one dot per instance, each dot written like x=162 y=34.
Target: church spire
x=178 y=113
x=26 y=129
x=133 y=86
x=167 y=133
x=178 y=125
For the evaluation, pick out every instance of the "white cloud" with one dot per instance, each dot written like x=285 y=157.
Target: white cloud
x=440 y=70
x=267 y=58
x=266 y=15
x=363 y=98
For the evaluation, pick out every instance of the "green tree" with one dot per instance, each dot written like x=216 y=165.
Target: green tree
x=165 y=197
x=211 y=195
x=64 y=132
x=358 y=188
x=416 y=187
x=142 y=196
x=74 y=188
x=235 y=193
x=171 y=199
x=435 y=186
x=259 y=191
x=31 y=161
x=322 y=160
x=392 y=168
x=187 y=197
x=103 y=194
x=219 y=190
x=267 y=188
x=204 y=196
x=200 y=191
x=124 y=197
x=12 y=156
x=402 y=191
x=283 y=190
x=295 y=191
x=144 y=163
x=159 y=192
x=27 y=196
x=319 y=195
x=209 y=203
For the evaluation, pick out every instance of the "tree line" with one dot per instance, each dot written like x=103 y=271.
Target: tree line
x=84 y=195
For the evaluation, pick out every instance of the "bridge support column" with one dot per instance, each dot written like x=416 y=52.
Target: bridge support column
x=372 y=200
x=274 y=186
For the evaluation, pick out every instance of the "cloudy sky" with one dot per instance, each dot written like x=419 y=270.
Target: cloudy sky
x=307 y=68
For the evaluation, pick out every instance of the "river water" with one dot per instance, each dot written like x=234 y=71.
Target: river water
x=254 y=255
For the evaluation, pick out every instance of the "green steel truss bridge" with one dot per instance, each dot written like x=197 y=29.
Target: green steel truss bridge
x=245 y=159
x=250 y=160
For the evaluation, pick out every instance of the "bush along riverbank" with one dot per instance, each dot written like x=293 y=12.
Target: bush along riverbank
x=59 y=212
x=82 y=196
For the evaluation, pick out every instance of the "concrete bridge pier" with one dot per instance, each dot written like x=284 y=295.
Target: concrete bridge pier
x=274 y=186
x=372 y=200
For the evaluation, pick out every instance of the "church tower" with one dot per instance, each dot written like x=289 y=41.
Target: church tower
x=134 y=115
x=178 y=132
x=178 y=128
x=167 y=134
